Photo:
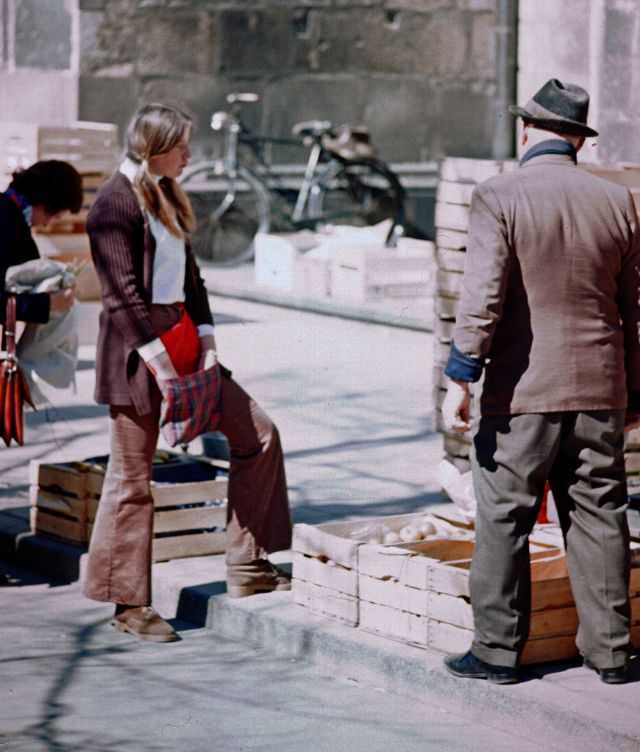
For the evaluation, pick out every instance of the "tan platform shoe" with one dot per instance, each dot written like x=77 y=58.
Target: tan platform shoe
x=260 y=576
x=144 y=622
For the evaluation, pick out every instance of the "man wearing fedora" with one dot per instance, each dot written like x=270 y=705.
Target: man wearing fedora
x=549 y=313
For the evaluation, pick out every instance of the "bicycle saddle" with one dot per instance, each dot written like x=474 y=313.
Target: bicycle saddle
x=348 y=142
x=313 y=128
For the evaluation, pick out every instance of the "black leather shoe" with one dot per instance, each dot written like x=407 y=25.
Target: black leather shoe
x=467 y=666
x=617 y=675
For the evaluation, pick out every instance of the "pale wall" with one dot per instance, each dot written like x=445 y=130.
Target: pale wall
x=596 y=44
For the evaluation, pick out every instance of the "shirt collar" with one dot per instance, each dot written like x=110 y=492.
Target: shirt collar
x=129 y=169
x=551 y=146
x=21 y=202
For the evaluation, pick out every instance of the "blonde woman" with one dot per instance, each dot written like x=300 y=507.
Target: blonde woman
x=139 y=229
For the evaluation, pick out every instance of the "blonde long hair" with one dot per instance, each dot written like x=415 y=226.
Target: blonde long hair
x=156 y=129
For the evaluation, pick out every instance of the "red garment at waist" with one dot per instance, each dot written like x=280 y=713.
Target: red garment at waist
x=178 y=334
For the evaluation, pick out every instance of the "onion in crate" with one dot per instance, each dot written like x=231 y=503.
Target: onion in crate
x=391 y=537
x=409 y=533
x=426 y=527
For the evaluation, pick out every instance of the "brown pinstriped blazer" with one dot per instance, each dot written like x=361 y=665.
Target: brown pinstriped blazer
x=123 y=248
x=550 y=290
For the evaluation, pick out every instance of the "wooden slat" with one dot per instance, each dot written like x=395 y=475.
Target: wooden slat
x=171 y=494
x=197 y=518
x=557 y=648
x=468 y=170
x=399 y=625
x=448 y=283
x=455 y=240
x=325 y=601
x=443 y=329
x=450 y=192
x=67 y=478
x=451 y=260
x=314 y=570
x=57 y=526
x=445 y=308
x=183 y=546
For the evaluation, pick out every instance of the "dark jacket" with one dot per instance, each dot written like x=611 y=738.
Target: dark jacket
x=550 y=290
x=123 y=248
x=16 y=247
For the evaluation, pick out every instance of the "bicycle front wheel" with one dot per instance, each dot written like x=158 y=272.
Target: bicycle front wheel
x=229 y=213
x=358 y=192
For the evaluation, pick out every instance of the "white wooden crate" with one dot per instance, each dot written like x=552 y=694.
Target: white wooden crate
x=325 y=557
x=419 y=593
x=370 y=272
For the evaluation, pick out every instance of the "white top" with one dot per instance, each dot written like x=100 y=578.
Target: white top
x=169 y=266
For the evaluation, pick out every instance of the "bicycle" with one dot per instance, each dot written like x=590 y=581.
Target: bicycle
x=342 y=183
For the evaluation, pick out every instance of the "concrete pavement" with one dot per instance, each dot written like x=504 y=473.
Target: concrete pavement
x=70 y=683
x=353 y=405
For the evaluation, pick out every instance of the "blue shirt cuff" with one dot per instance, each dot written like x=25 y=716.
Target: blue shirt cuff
x=463 y=367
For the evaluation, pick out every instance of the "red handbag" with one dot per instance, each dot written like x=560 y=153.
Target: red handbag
x=14 y=389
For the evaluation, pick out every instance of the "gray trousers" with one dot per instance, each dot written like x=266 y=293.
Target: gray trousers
x=581 y=455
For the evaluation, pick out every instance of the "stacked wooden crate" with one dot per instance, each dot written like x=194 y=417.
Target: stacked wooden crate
x=189 y=519
x=89 y=147
x=92 y=149
x=325 y=557
x=458 y=177
x=419 y=593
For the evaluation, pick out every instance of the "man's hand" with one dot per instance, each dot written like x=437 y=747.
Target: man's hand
x=162 y=367
x=209 y=355
x=456 y=408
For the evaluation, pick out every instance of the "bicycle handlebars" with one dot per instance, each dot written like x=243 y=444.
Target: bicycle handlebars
x=314 y=128
x=246 y=97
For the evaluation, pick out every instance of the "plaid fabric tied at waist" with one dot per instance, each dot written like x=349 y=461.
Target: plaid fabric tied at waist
x=191 y=405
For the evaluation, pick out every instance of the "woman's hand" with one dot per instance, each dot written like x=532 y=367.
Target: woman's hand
x=162 y=367
x=209 y=355
x=62 y=300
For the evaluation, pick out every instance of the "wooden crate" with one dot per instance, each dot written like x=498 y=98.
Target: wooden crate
x=189 y=518
x=419 y=593
x=89 y=147
x=372 y=272
x=325 y=558
x=277 y=256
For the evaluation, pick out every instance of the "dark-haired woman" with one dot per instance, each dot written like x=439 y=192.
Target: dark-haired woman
x=35 y=196
x=139 y=228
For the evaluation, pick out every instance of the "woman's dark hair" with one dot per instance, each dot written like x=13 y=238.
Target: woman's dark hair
x=51 y=183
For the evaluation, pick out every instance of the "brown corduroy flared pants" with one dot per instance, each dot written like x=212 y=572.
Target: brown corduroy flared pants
x=258 y=516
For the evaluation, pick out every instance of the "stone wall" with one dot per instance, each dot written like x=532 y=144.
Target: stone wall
x=420 y=73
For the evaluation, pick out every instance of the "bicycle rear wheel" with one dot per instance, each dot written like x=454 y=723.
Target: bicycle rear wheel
x=358 y=192
x=229 y=213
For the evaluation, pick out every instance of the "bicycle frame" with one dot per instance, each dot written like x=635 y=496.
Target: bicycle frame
x=254 y=196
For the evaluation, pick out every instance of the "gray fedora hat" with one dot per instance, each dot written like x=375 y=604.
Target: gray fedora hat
x=558 y=107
